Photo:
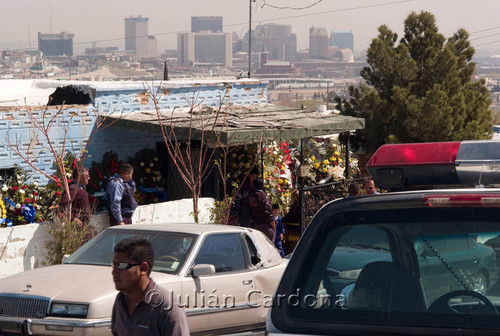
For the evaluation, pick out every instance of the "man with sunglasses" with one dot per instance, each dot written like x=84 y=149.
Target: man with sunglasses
x=142 y=307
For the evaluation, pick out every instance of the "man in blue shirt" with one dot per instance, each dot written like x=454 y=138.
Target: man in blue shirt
x=120 y=193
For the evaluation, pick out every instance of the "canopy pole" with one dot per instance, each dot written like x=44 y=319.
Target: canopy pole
x=301 y=191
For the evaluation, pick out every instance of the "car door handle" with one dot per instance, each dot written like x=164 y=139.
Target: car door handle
x=247 y=282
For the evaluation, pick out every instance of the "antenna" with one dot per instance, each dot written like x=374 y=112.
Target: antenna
x=50 y=19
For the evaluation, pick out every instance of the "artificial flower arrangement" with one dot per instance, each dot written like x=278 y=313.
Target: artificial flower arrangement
x=277 y=175
x=25 y=203
x=324 y=159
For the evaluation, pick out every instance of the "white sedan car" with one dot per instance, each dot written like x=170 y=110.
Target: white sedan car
x=223 y=276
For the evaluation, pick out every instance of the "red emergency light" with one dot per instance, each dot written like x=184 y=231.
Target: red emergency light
x=432 y=164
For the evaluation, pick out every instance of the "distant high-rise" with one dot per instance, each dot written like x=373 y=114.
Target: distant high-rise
x=137 y=39
x=342 y=39
x=204 y=48
x=277 y=39
x=211 y=24
x=318 y=42
x=56 y=44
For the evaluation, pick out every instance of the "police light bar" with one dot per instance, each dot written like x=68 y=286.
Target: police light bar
x=432 y=164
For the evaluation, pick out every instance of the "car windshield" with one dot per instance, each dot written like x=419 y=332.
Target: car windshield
x=406 y=267
x=171 y=249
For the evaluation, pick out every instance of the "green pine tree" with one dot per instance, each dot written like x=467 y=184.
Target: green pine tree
x=420 y=89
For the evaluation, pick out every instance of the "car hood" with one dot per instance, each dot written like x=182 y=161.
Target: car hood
x=75 y=283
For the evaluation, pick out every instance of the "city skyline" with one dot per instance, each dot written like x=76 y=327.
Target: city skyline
x=101 y=23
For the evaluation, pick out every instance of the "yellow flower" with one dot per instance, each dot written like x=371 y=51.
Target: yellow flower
x=313 y=158
x=316 y=165
x=332 y=158
x=286 y=194
x=280 y=181
x=147 y=170
x=326 y=162
x=337 y=153
x=340 y=160
x=325 y=170
x=286 y=181
x=234 y=165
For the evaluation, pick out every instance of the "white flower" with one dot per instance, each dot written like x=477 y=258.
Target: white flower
x=155 y=159
x=18 y=177
x=11 y=208
x=141 y=164
x=68 y=175
x=151 y=165
x=5 y=188
x=21 y=191
x=35 y=184
x=18 y=206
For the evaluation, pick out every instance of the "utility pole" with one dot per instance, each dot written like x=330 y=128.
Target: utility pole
x=165 y=72
x=250 y=39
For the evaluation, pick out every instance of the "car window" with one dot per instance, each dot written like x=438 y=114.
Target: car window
x=252 y=250
x=398 y=266
x=171 y=249
x=348 y=250
x=224 y=251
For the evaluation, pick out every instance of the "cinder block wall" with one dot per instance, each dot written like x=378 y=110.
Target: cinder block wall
x=16 y=126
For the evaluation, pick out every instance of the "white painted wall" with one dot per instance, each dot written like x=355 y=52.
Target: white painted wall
x=22 y=247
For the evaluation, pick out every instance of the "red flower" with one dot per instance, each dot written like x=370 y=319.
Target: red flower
x=35 y=193
x=24 y=186
x=26 y=200
x=58 y=193
x=15 y=188
x=33 y=201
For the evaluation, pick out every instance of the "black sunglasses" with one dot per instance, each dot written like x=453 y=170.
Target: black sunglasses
x=122 y=266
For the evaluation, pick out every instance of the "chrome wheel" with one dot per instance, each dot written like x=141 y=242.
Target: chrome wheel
x=480 y=283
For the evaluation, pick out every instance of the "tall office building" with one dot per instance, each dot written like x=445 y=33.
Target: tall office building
x=204 y=48
x=277 y=39
x=137 y=39
x=342 y=39
x=56 y=44
x=318 y=42
x=211 y=24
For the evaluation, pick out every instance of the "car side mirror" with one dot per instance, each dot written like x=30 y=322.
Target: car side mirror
x=203 y=269
x=66 y=256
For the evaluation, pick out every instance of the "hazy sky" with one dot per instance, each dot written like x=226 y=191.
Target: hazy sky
x=102 y=21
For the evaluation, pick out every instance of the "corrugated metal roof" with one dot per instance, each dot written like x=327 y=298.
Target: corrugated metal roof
x=242 y=124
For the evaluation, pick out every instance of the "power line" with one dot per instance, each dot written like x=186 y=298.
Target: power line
x=294 y=8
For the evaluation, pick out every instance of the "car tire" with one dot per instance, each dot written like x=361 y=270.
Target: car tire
x=480 y=283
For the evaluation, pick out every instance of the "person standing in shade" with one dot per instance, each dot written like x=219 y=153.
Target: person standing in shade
x=80 y=206
x=142 y=307
x=241 y=203
x=261 y=210
x=120 y=193
x=280 y=230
